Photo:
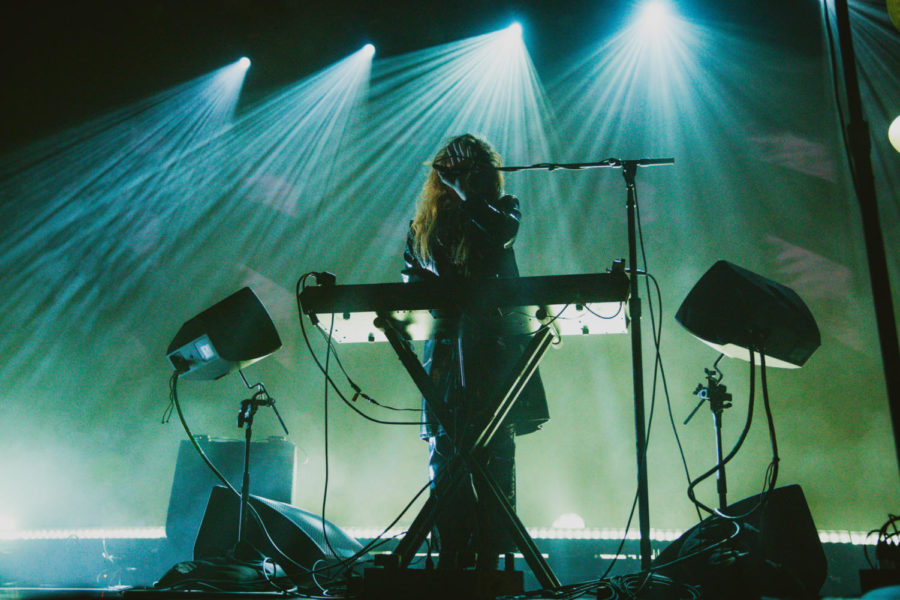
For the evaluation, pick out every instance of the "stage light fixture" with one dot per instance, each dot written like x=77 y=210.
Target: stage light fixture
x=653 y=17
x=228 y=336
x=894 y=134
x=507 y=44
x=734 y=311
x=244 y=62
x=368 y=50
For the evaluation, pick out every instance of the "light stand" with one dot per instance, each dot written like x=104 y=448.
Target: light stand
x=245 y=418
x=629 y=170
x=747 y=316
x=719 y=399
x=226 y=337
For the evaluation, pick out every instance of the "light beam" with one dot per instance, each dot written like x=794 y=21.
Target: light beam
x=484 y=84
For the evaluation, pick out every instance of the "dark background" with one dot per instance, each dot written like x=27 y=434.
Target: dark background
x=69 y=61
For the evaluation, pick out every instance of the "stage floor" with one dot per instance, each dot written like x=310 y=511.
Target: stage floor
x=118 y=593
x=120 y=568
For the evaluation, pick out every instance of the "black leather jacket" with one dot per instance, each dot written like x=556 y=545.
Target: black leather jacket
x=490 y=228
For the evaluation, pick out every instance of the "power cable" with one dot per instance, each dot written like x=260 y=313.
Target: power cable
x=301 y=283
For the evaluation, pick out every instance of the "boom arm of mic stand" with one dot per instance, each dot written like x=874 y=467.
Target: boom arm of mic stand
x=607 y=163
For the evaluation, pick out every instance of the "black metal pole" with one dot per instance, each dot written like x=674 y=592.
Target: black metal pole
x=245 y=482
x=864 y=183
x=634 y=309
x=721 y=481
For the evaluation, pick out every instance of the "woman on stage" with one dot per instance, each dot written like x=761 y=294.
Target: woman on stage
x=464 y=229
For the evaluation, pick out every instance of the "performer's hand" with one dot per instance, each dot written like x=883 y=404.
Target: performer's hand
x=457 y=168
x=459 y=154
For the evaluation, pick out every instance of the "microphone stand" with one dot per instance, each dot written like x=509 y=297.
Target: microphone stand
x=629 y=171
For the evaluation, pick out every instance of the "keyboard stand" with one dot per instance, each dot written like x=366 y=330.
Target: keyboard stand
x=469 y=451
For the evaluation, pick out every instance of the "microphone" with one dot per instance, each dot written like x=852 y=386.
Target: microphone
x=460 y=158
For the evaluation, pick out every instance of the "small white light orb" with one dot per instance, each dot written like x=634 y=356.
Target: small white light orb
x=368 y=50
x=7 y=523
x=244 y=62
x=569 y=521
x=894 y=134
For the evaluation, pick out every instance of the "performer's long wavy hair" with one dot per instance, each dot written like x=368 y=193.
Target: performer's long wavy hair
x=438 y=202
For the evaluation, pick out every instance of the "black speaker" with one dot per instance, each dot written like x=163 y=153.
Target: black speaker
x=292 y=537
x=733 y=309
x=775 y=552
x=271 y=476
x=227 y=336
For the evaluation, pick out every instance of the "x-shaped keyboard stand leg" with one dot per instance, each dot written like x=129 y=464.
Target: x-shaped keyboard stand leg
x=468 y=456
